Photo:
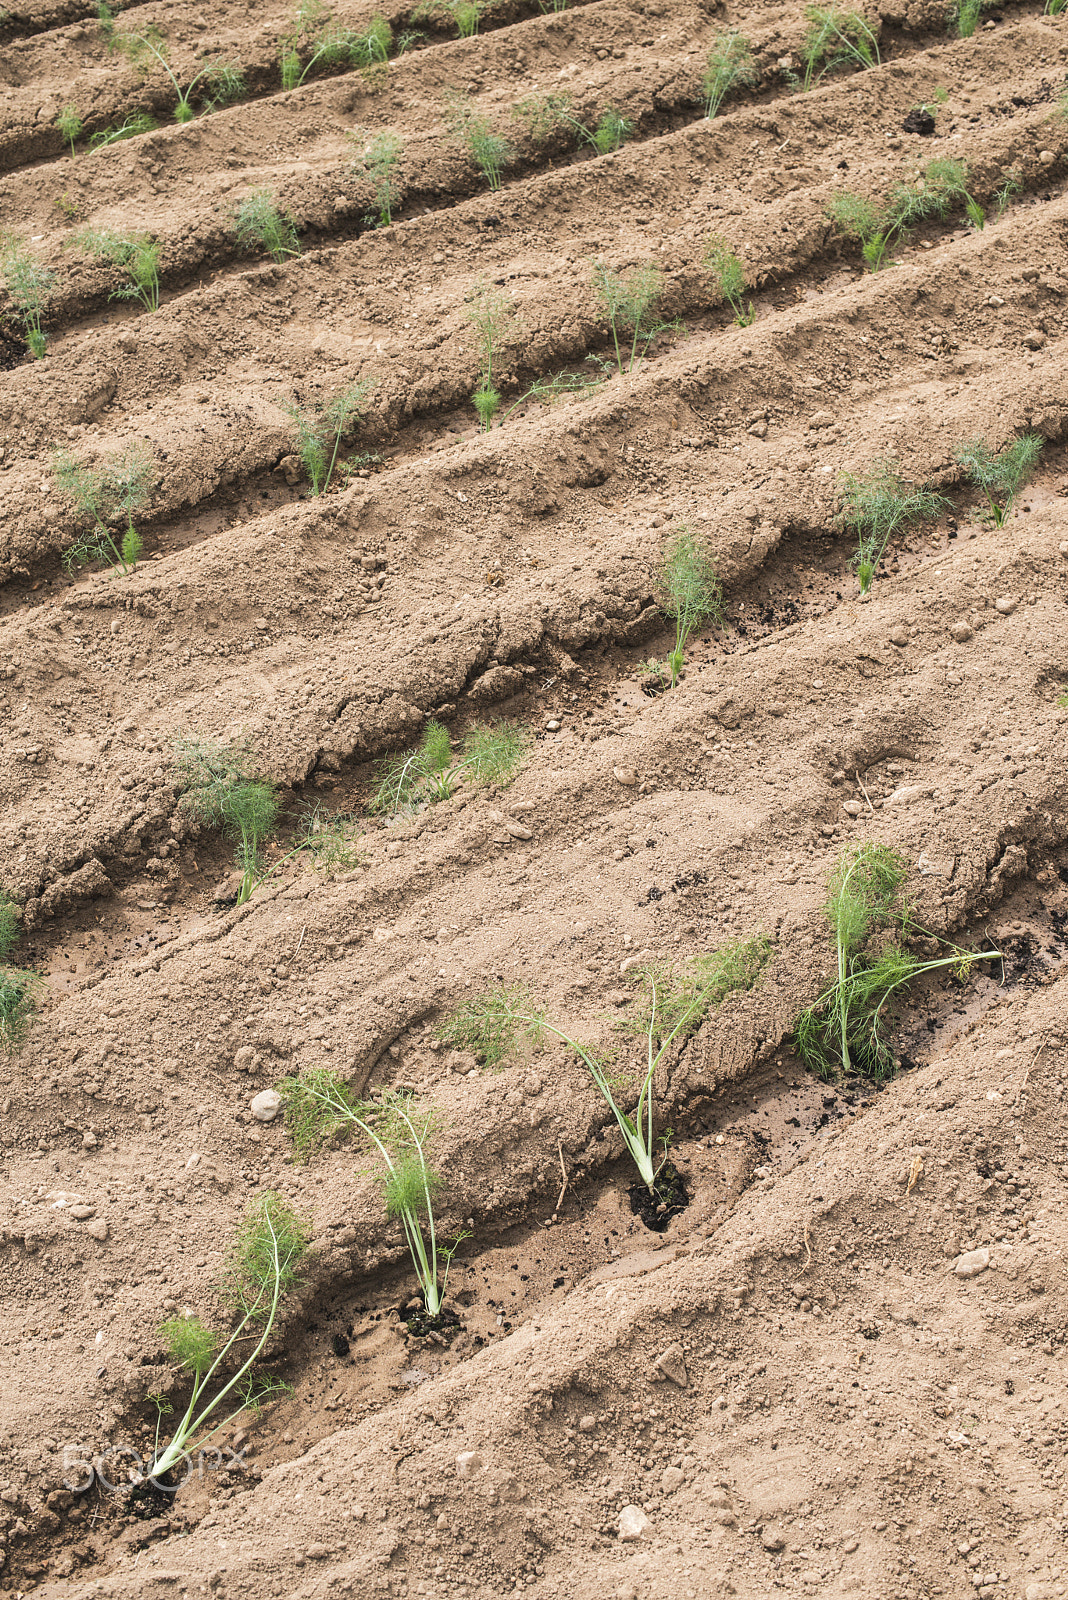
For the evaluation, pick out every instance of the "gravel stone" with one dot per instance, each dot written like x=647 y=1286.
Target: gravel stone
x=971 y=1263
x=266 y=1105
x=633 y=1524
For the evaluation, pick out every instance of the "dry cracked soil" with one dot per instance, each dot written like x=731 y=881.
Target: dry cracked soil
x=839 y=1369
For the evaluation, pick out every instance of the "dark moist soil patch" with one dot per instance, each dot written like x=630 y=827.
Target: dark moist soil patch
x=668 y=1198
x=442 y=1329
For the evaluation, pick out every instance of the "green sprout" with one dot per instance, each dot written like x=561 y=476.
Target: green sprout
x=220 y=81
x=263 y=1266
x=672 y=1003
x=465 y=15
x=544 y=115
x=137 y=123
x=836 y=38
x=29 y=285
x=319 y=433
x=70 y=126
x=327 y=45
x=377 y=158
x=626 y=299
x=490 y=753
x=964 y=17
x=998 y=475
x=843 y=1030
x=486 y=149
x=136 y=253
x=730 y=66
x=218 y=789
x=496 y=323
x=330 y=840
x=113 y=491
x=259 y=224
x=940 y=186
x=17 y=987
x=611 y=132
x=729 y=273
x=875 y=504
x=547 y=390
x=106 y=19
x=372 y=46
x=319 y=1105
x=692 y=592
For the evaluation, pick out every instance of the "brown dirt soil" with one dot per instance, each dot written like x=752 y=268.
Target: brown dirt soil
x=792 y=1387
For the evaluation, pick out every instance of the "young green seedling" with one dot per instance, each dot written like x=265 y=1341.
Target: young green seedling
x=70 y=126
x=464 y=14
x=545 y=114
x=137 y=123
x=730 y=66
x=328 y=45
x=319 y=433
x=490 y=754
x=496 y=323
x=220 y=81
x=486 y=149
x=673 y=1002
x=998 y=475
x=319 y=1104
x=940 y=186
x=29 y=285
x=964 y=17
x=218 y=789
x=263 y=1266
x=259 y=224
x=691 y=590
x=136 y=253
x=729 y=273
x=113 y=491
x=371 y=47
x=626 y=299
x=330 y=840
x=875 y=504
x=548 y=390
x=842 y=1030
x=378 y=156
x=836 y=38
x=17 y=986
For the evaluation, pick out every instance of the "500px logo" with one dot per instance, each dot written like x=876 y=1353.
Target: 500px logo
x=120 y=1466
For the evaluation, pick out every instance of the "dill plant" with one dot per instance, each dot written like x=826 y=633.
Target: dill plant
x=964 y=17
x=490 y=753
x=258 y=223
x=844 y=1029
x=999 y=474
x=220 y=81
x=626 y=299
x=70 y=126
x=111 y=492
x=376 y=161
x=131 y=127
x=319 y=433
x=263 y=1266
x=493 y=316
x=544 y=115
x=331 y=841
x=465 y=15
x=17 y=986
x=486 y=150
x=138 y=256
x=940 y=186
x=218 y=788
x=836 y=38
x=672 y=1003
x=319 y=1105
x=29 y=285
x=327 y=45
x=692 y=594
x=875 y=504
x=729 y=273
x=730 y=66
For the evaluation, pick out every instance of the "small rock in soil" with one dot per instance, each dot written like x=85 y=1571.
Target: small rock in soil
x=633 y=1524
x=899 y=636
x=672 y=1364
x=673 y=1478
x=919 y=120
x=772 y=1538
x=962 y=632
x=1006 y=604
x=266 y=1105
x=82 y=1213
x=97 y=1229
x=626 y=776
x=972 y=1263
x=587 y=1424
x=468 y=1462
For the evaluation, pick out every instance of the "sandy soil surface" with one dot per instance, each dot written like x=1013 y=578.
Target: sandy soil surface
x=840 y=1368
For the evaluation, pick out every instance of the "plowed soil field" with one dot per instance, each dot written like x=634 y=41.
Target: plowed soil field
x=839 y=1368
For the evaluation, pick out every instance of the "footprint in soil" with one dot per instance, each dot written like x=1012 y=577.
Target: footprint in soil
x=667 y=1199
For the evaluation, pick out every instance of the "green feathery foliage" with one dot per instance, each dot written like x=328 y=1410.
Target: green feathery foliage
x=730 y=66
x=114 y=490
x=875 y=504
x=319 y=433
x=934 y=193
x=836 y=38
x=691 y=590
x=998 y=475
x=376 y=161
x=626 y=299
x=262 y=1268
x=137 y=123
x=490 y=753
x=218 y=789
x=845 y=1028
x=29 y=285
x=70 y=126
x=486 y=150
x=220 y=81
x=259 y=224
x=729 y=273
x=492 y=313
x=17 y=986
x=138 y=256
